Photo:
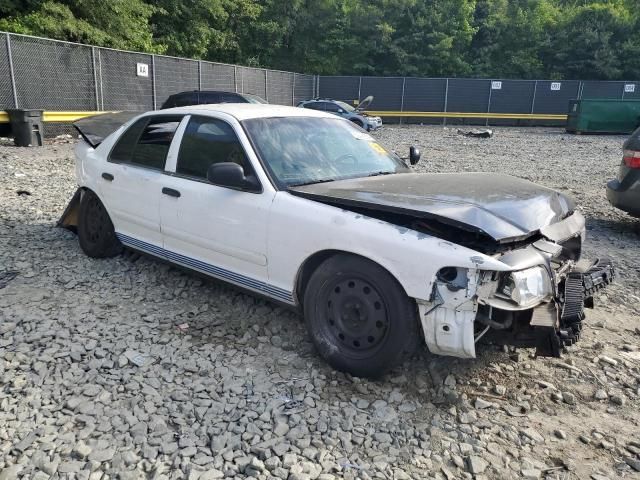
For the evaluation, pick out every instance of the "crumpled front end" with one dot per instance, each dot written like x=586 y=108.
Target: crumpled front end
x=538 y=302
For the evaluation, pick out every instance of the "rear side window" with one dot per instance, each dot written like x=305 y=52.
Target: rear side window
x=185 y=99
x=146 y=142
x=232 y=98
x=207 y=141
x=331 y=107
x=209 y=97
x=314 y=106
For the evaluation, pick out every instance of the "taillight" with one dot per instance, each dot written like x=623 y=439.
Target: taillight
x=631 y=158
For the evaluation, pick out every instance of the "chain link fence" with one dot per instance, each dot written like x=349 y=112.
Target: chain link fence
x=465 y=95
x=55 y=75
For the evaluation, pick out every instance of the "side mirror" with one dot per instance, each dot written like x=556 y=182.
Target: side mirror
x=340 y=110
x=231 y=175
x=414 y=155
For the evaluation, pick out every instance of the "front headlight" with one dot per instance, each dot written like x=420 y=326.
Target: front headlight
x=527 y=287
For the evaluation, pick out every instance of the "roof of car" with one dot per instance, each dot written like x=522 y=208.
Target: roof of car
x=245 y=111
x=187 y=92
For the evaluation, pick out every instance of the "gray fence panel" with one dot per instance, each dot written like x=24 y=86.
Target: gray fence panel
x=252 y=80
x=122 y=88
x=52 y=75
x=468 y=95
x=340 y=88
x=303 y=88
x=279 y=87
x=6 y=90
x=593 y=89
x=424 y=94
x=174 y=75
x=386 y=91
x=555 y=101
x=217 y=76
x=514 y=96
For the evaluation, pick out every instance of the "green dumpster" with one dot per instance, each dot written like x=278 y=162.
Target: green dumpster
x=603 y=116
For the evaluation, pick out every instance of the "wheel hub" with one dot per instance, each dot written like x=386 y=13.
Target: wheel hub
x=356 y=316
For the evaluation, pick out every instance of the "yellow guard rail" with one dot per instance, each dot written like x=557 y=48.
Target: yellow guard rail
x=68 y=117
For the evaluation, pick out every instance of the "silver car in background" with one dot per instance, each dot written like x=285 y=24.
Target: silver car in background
x=356 y=115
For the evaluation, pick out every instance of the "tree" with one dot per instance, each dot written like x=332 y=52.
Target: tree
x=114 y=23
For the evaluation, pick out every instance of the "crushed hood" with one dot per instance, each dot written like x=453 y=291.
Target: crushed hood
x=503 y=207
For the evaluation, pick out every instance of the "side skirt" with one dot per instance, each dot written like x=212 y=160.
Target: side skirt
x=192 y=264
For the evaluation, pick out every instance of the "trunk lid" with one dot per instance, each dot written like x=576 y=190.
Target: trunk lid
x=96 y=128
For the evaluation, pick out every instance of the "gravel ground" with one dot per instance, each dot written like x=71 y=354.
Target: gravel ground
x=129 y=368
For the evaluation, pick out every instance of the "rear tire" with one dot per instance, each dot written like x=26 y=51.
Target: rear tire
x=359 y=317
x=96 y=234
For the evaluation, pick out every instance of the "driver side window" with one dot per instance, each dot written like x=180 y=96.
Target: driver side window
x=207 y=141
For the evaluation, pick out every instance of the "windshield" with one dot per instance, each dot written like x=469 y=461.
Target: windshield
x=254 y=98
x=304 y=150
x=345 y=106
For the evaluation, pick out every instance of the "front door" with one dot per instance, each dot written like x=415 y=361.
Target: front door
x=213 y=229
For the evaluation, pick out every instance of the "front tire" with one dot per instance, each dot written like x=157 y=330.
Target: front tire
x=96 y=234
x=359 y=317
x=358 y=122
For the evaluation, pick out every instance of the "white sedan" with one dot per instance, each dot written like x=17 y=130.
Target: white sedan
x=309 y=210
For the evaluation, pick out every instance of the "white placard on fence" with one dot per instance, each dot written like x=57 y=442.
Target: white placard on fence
x=555 y=85
x=142 y=70
x=496 y=85
x=629 y=87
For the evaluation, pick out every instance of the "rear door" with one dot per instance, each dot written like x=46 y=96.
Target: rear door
x=131 y=181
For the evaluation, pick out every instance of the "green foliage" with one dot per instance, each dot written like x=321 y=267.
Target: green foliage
x=563 y=39
x=114 y=23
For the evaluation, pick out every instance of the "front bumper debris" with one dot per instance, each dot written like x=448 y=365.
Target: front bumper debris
x=576 y=293
x=453 y=320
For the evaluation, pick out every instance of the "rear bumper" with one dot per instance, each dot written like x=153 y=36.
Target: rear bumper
x=624 y=195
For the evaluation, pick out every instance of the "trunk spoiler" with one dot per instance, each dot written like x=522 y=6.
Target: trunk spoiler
x=96 y=128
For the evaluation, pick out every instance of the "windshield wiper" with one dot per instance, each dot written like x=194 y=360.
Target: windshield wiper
x=312 y=182
x=376 y=174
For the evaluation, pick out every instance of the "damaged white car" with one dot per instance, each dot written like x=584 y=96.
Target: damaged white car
x=309 y=210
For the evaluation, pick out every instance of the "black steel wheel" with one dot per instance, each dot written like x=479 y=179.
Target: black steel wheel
x=356 y=316
x=359 y=317
x=95 y=230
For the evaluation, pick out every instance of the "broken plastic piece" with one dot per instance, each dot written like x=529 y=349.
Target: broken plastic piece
x=481 y=133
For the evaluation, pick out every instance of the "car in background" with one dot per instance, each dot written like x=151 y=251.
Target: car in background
x=355 y=115
x=202 y=97
x=623 y=192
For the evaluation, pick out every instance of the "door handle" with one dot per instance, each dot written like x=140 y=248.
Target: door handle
x=107 y=176
x=171 y=192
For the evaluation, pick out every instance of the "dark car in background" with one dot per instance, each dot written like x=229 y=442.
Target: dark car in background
x=202 y=97
x=623 y=192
